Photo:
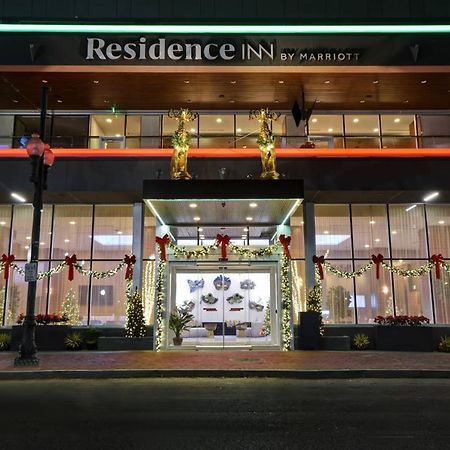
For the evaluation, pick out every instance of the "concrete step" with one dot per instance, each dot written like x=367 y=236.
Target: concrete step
x=335 y=343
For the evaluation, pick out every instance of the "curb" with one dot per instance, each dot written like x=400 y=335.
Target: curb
x=218 y=373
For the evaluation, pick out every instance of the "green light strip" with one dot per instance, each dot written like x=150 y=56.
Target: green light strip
x=223 y=29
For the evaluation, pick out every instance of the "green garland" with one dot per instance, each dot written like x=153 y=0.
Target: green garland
x=246 y=252
x=160 y=297
x=314 y=300
x=345 y=274
x=418 y=272
x=286 y=303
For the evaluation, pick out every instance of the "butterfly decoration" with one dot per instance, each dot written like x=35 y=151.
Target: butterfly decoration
x=248 y=284
x=195 y=284
x=257 y=306
x=222 y=282
x=236 y=298
x=209 y=299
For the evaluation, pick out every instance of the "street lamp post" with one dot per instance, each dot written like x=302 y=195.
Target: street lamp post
x=41 y=160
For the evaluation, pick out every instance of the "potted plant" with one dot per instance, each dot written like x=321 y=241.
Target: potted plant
x=5 y=340
x=178 y=322
x=73 y=341
x=361 y=341
x=91 y=338
x=444 y=344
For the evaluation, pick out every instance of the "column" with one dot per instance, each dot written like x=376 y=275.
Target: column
x=138 y=244
x=309 y=231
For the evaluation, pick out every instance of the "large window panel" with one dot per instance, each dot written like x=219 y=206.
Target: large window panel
x=370 y=230
x=108 y=297
x=326 y=125
x=373 y=297
x=408 y=234
x=5 y=228
x=72 y=231
x=338 y=305
x=333 y=237
x=298 y=289
x=70 y=131
x=441 y=290
x=412 y=294
x=297 y=248
x=438 y=221
x=113 y=231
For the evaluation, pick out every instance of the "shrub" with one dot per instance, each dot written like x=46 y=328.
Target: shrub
x=406 y=321
x=361 y=341
x=73 y=341
x=444 y=344
x=5 y=340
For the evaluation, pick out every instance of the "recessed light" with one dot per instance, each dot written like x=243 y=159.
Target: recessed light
x=18 y=197
x=42 y=243
x=427 y=198
x=372 y=222
x=66 y=240
x=330 y=130
x=249 y=218
x=253 y=205
x=397 y=120
x=2 y=223
x=375 y=81
x=423 y=82
x=28 y=238
x=15 y=101
x=188 y=100
x=50 y=233
x=106 y=100
x=219 y=120
x=245 y=229
x=192 y=205
x=362 y=101
x=355 y=120
x=96 y=81
x=281 y=81
x=186 y=81
x=318 y=101
x=200 y=229
x=394 y=232
x=409 y=208
x=108 y=120
x=405 y=101
x=232 y=101
x=376 y=130
x=238 y=130
x=233 y=81
x=59 y=100
x=326 y=232
x=120 y=232
x=118 y=135
x=197 y=219
x=244 y=146
x=377 y=240
x=277 y=101
x=314 y=120
x=45 y=81
x=441 y=222
x=27 y=247
x=367 y=245
x=326 y=82
x=192 y=130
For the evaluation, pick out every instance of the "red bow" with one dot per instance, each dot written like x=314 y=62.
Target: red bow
x=437 y=260
x=162 y=242
x=285 y=241
x=7 y=260
x=378 y=259
x=130 y=261
x=223 y=241
x=319 y=260
x=70 y=261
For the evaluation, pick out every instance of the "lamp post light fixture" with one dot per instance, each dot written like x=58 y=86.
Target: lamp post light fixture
x=42 y=159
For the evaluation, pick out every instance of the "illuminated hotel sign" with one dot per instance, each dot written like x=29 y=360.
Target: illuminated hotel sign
x=161 y=49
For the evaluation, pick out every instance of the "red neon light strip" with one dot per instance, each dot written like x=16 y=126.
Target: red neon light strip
x=82 y=153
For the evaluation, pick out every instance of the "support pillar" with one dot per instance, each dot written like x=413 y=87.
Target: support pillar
x=309 y=230
x=138 y=244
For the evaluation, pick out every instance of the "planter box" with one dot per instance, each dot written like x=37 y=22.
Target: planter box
x=124 y=343
x=405 y=339
x=309 y=331
x=47 y=337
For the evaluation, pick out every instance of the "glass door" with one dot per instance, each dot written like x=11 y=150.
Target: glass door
x=232 y=306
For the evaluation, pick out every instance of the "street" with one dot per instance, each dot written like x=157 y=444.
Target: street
x=220 y=413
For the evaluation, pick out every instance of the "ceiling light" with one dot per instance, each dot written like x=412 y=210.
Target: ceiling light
x=118 y=135
x=15 y=101
x=120 y=232
x=372 y=222
x=192 y=130
x=42 y=243
x=367 y=245
x=423 y=82
x=362 y=101
x=330 y=130
x=59 y=100
x=244 y=146
x=377 y=240
x=219 y=120
x=2 y=223
x=318 y=101
x=327 y=82
x=108 y=120
x=200 y=229
x=249 y=218
x=253 y=205
x=197 y=219
x=409 y=208
x=72 y=222
x=375 y=81
x=186 y=81
x=45 y=81
x=355 y=120
x=376 y=130
x=281 y=81
x=28 y=238
x=326 y=232
x=18 y=197
x=106 y=100
x=245 y=229
x=397 y=120
x=27 y=247
x=405 y=101
x=233 y=81
x=96 y=81
x=314 y=120
x=441 y=222
x=192 y=205
x=238 y=130
x=394 y=232
x=232 y=101
x=277 y=101
x=66 y=240
x=427 y=198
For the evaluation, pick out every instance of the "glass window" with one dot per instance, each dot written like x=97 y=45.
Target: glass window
x=373 y=297
x=216 y=125
x=297 y=248
x=326 y=125
x=5 y=227
x=337 y=297
x=412 y=294
x=70 y=131
x=279 y=126
x=24 y=126
x=370 y=231
x=333 y=231
x=113 y=231
x=298 y=289
x=361 y=124
x=408 y=234
x=151 y=131
x=72 y=231
x=362 y=142
x=438 y=221
x=433 y=125
x=441 y=290
x=107 y=131
x=6 y=130
x=246 y=126
x=398 y=125
x=170 y=125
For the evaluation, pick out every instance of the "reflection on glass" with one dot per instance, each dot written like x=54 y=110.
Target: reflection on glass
x=441 y=290
x=324 y=125
x=438 y=218
x=363 y=125
x=298 y=289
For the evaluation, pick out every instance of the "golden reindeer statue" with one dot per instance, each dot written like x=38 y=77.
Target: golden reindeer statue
x=266 y=143
x=180 y=142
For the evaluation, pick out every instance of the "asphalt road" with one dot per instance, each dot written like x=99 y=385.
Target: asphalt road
x=215 y=414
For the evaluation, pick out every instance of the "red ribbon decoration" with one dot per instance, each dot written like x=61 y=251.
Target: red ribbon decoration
x=162 y=242
x=70 y=261
x=223 y=241
x=437 y=260
x=285 y=241
x=7 y=261
x=129 y=261
x=378 y=259
x=319 y=260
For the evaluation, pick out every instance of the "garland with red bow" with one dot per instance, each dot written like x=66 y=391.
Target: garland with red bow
x=377 y=260
x=130 y=261
x=223 y=241
x=319 y=261
x=437 y=260
x=285 y=242
x=71 y=261
x=162 y=242
x=7 y=260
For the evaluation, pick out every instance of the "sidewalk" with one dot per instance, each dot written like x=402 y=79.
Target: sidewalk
x=296 y=364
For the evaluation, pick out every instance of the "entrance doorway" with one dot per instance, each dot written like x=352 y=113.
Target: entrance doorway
x=234 y=305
